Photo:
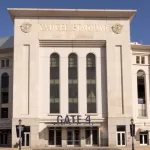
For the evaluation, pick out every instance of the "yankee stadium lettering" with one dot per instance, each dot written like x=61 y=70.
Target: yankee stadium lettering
x=74 y=27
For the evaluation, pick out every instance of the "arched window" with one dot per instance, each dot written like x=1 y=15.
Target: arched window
x=73 y=83
x=54 y=83
x=4 y=88
x=141 y=93
x=91 y=83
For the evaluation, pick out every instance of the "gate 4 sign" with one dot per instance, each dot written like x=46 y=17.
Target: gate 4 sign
x=72 y=119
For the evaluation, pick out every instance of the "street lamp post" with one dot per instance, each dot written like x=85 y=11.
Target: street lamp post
x=132 y=125
x=20 y=129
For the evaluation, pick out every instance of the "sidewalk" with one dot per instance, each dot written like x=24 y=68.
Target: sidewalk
x=83 y=148
x=97 y=148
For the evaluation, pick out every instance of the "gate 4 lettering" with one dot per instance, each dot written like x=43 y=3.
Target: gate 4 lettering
x=72 y=119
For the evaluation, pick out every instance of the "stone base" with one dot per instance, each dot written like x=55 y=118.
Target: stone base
x=33 y=123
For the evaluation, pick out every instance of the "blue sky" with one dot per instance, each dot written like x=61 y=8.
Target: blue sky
x=140 y=25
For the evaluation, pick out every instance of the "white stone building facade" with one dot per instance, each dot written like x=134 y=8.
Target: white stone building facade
x=69 y=65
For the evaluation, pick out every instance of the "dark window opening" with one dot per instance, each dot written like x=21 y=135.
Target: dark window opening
x=91 y=84
x=54 y=60
x=4 y=97
x=4 y=112
x=26 y=128
x=54 y=73
x=4 y=80
x=121 y=128
x=73 y=91
x=7 y=62
x=142 y=60
x=55 y=136
x=73 y=83
x=72 y=60
x=2 y=63
x=54 y=83
x=73 y=74
x=141 y=86
x=90 y=60
x=137 y=59
x=91 y=73
x=141 y=93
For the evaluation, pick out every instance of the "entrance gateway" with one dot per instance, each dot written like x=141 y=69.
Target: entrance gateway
x=73 y=136
x=144 y=138
x=73 y=130
x=5 y=137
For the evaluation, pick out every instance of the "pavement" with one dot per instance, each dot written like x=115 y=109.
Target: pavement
x=84 y=148
x=100 y=148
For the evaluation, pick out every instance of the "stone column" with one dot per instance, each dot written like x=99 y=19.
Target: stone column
x=82 y=137
x=64 y=137
x=99 y=137
x=148 y=138
x=34 y=134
